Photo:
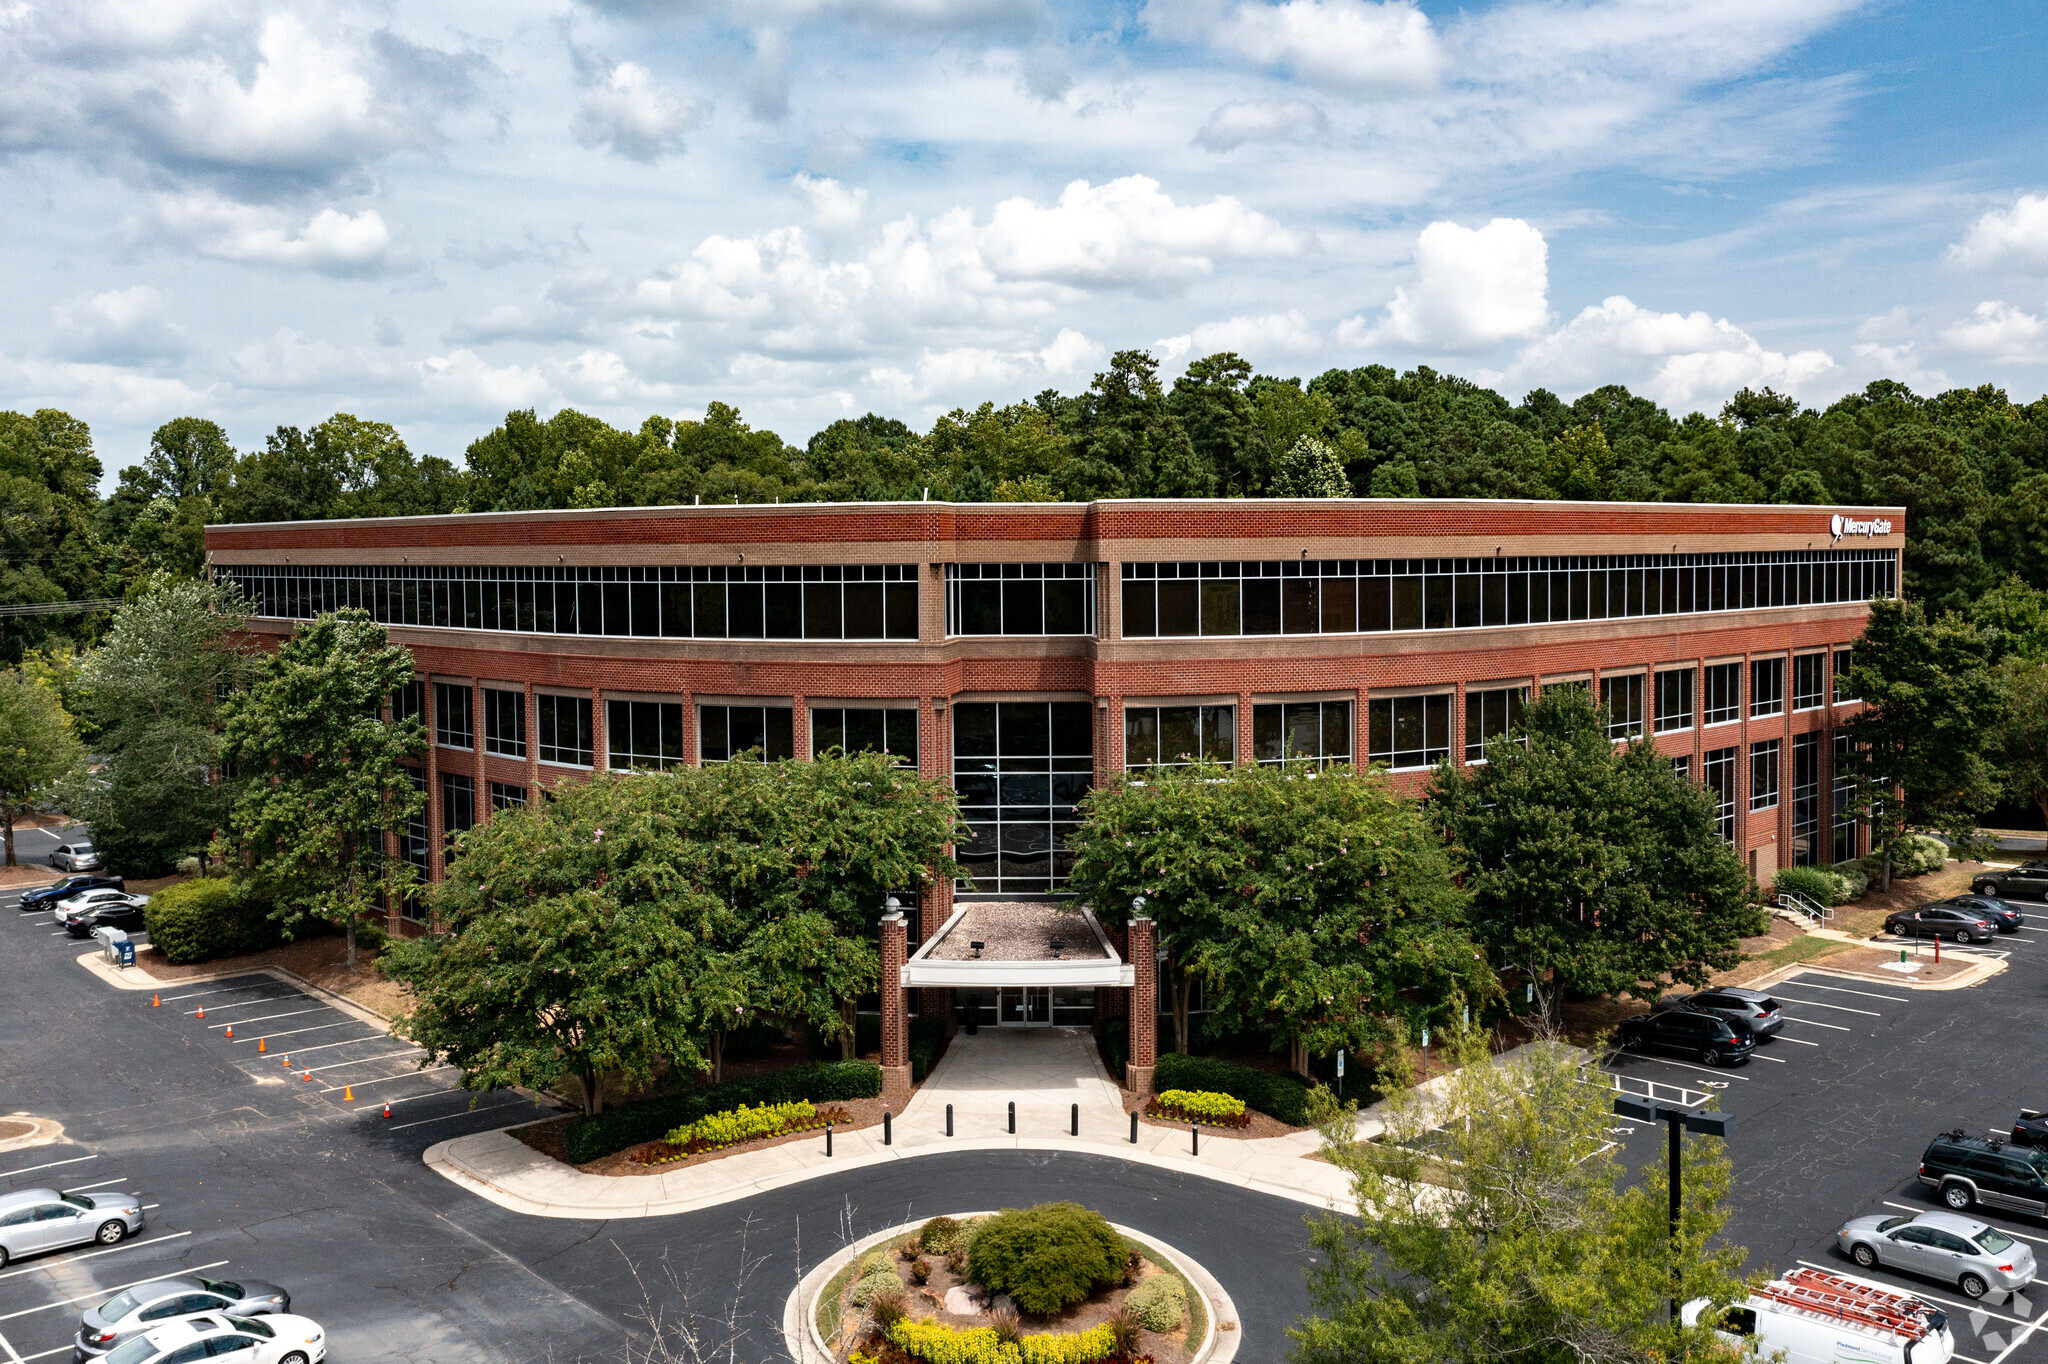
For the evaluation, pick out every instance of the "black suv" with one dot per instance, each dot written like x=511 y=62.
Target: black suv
x=2028 y=880
x=68 y=886
x=1711 y=1039
x=1987 y=1170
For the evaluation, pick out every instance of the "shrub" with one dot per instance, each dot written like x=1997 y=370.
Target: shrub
x=1160 y=1303
x=1280 y=1096
x=886 y=1306
x=1125 y=1326
x=881 y=1280
x=1919 y=855
x=1822 y=887
x=937 y=1343
x=920 y=1270
x=738 y=1124
x=937 y=1236
x=1854 y=881
x=875 y=1261
x=928 y=1039
x=1046 y=1258
x=1201 y=1105
x=630 y=1124
x=1115 y=1046
x=208 y=918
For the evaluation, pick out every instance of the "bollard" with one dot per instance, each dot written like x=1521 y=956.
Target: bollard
x=1194 y=1139
x=1134 y=1127
x=1013 y=1117
x=828 y=1138
x=949 y=1120
x=1074 y=1122
x=887 y=1139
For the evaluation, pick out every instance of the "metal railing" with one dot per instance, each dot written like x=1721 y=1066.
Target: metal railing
x=1800 y=904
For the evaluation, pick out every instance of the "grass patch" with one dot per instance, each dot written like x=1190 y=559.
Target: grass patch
x=828 y=1302
x=1198 y=1319
x=1805 y=947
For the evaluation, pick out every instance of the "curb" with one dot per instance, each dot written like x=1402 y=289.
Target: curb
x=137 y=979
x=1985 y=968
x=800 y=1328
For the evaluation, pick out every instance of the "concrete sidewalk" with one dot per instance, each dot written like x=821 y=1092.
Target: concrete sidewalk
x=1045 y=1071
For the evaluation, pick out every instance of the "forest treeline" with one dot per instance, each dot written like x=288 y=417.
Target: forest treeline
x=1969 y=465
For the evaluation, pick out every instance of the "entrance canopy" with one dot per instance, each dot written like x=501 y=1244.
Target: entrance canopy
x=992 y=943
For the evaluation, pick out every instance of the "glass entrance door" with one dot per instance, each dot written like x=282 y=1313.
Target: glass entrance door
x=1025 y=1005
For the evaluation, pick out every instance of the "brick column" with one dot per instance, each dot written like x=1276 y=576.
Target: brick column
x=1245 y=756
x=1144 y=959
x=434 y=830
x=800 y=729
x=532 y=749
x=895 y=1027
x=600 y=748
x=481 y=812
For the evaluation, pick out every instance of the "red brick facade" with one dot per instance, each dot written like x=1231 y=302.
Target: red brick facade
x=1144 y=1007
x=895 y=1026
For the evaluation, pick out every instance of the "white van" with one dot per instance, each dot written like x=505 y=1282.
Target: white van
x=1820 y=1318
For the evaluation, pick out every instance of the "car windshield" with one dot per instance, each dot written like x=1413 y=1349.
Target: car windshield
x=78 y=1200
x=252 y=1326
x=1891 y=1222
x=136 y=1351
x=1994 y=1241
x=222 y=1287
x=118 y=1306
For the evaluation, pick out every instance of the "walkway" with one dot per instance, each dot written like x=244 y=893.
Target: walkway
x=1045 y=1071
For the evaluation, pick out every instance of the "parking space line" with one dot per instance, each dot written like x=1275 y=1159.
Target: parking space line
x=359 y=1061
x=317 y=1027
x=9 y=1174
x=42 y=1354
x=97 y=1292
x=225 y=990
x=1838 y=1008
x=465 y=1113
x=1839 y=990
x=1923 y=1296
x=301 y=1051
x=101 y=1185
x=1798 y=1041
x=95 y=1254
x=293 y=998
x=13 y=1353
x=1813 y=1022
x=2043 y=1240
x=403 y=1098
x=2017 y=1341
x=387 y=1079
x=1775 y=1060
x=1686 y=1065
x=265 y=1018
x=286 y=993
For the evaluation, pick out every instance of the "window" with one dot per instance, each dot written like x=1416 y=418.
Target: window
x=506 y=796
x=1766 y=687
x=1345 y=596
x=1763 y=775
x=452 y=727
x=1623 y=698
x=413 y=847
x=643 y=734
x=1291 y=731
x=565 y=737
x=1490 y=715
x=1843 y=660
x=1724 y=693
x=1806 y=799
x=852 y=729
x=1020 y=768
x=1844 y=804
x=725 y=731
x=1719 y=770
x=410 y=702
x=1020 y=599
x=1674 y=700
x=458 y=805
x=1809 y=681
x=505 y=723
x=1682 y=765
x=1174 y=736
x=1410 y=731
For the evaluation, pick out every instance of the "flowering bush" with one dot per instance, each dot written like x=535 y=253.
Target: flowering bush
x=1200 y=1105
x=715 y=1131
x=938 y=1344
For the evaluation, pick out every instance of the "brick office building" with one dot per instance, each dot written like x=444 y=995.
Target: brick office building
x=1027 y=651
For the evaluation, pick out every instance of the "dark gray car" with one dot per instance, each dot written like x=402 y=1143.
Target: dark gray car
x=1753 y=1007
x=2028 y=881
x=161 y=1300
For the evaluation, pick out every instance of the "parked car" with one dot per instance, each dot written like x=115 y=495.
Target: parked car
x=1709 y=1038
x=36 y=1220
x=2030 y=1128
x=143 y=1306
x=1967 y=1170
x=2029 y=880
x=102 y=909
x=67 y=886
x=1814 y=1317
x=1753 y=1007
x=1940 y=1245
x=259 y=1340
x=64 y=909
x=75 y=856
x=1932 y=922
x=2003 y=914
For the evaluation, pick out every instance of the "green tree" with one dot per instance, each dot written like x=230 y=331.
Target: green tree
x=1316 y=907
x=2019 y=739
x=322 y=775
x=1581 y=462
x=1496 y=1223
x=1930 y=707
x=969 y=453
x=154 y=688
x=1210 y=403
x=1310 y=469
x=188 y=457
x=1132 y=445
x=49 y=490
x=38 y=749
x=1595 y=868
x=2019 y=613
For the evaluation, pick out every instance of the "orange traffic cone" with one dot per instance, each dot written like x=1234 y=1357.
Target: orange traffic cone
x=261 y=1045
x=156 y=1001
x=287 y=1062
x=387 y=1110
x=202 y=1013
x=309 y=1077
x=348 y=1094
x=231 y=1030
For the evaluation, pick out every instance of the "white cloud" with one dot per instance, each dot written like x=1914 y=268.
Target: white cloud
x=1685 y=361
x=119 y=326
x=2013 y=238
x=2001 y=333
x=834 y=207
x=1125 y=233
x=1354 y=47
x=288 y=360
x=972 y=374
x=461 y=379
x=1255 y=338
x=1072 y=354
x=1242 y=121
x=330 y=241
x=631 y=114
x=105 y=391
x=1473 y=289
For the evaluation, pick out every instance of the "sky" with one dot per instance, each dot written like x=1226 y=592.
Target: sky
x=430 y=213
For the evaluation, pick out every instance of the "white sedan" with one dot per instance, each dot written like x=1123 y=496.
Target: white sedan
x=280 y=1339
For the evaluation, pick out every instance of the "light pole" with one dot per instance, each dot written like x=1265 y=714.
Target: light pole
x=1676 y=1121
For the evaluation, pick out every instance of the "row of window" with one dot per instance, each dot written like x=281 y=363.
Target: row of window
x=1160 y=600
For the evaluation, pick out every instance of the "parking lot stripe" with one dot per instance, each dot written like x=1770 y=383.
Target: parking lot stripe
x=288 y=997
x=97 y=1292
x=465 y=1113
x=301 y=1051
x=101 y=1185
x=1920 y=1294
x=1687 y=1065
x=1806 y=984
x=1800 y=1041
x=265 y=1018
x=403 y=1098
x=1838 y=1008
x=387 y=1079
x=2017 y=1341
x=13 y=1353
x=224 y=990
x=49 y=1166
x=95 y=1254
x=2042 y=1240
x=1814 y=1023
x=317 y=1027
x=360 y=1061
x=285 y=993
x=42 y=1354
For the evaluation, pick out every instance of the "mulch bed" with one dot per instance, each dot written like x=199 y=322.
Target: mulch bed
x=547 y=1138
x=11 y=1128
x=1261 y=1124
x=1864 y=962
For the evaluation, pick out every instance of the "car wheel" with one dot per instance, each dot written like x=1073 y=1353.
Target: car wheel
x=112 y=1233
x=1863 y=1255
x=1962 y=935
x=1710 y=1057
x=1973 y=1286
x=295 y=1357
x=1981 y=888
x=3 y=1257
x=1958 y=1197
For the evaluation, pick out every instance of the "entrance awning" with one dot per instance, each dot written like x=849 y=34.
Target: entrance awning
x=1016 y=938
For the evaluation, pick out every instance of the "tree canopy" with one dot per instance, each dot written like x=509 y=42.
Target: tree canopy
x=38 y=749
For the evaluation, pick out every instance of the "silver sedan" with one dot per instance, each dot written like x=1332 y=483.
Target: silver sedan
x=1976 y=1258
x=148 y=1305
x=35 y=1220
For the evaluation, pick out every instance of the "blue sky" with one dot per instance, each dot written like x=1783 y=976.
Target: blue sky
x=430 y=213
